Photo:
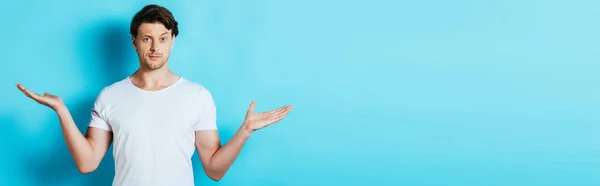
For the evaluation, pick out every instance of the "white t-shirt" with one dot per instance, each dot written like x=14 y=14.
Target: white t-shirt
x=154 y=131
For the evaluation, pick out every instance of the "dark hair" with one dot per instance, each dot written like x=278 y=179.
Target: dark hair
x=152 y=14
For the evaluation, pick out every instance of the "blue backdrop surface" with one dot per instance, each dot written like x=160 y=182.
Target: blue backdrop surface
x=384 y=92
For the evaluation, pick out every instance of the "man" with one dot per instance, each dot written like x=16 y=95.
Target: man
x=154 y=117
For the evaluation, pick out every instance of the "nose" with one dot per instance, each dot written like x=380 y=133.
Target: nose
x=153 y=46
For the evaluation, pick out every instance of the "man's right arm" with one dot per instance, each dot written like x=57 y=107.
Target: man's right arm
x=87 y=151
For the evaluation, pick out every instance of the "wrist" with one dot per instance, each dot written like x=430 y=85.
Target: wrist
x=246 y=129
x=61 y=109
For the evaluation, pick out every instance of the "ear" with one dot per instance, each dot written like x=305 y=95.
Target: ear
x=173 y=42
x=133 y=42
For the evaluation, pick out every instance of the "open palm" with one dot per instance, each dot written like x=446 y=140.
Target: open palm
x=259 y=120
x=47 y=99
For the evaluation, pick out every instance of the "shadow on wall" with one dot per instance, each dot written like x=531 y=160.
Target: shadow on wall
x=104 y=50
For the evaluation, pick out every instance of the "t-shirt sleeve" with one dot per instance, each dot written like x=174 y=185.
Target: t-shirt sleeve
x=98 y=112
x=208 y=112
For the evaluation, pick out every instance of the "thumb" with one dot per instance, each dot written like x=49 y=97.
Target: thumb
x=252 y=105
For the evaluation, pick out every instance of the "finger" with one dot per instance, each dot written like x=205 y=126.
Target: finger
x=24 y=90
x=274 y=112
x=252 y=105
x=28 y=93
x=278 y=115
x=282 y=110
x=286 y=108
x=21 y=88
x=276 y=119
x=50 y=95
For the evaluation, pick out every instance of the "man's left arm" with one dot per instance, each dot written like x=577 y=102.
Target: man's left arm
x=217 y=159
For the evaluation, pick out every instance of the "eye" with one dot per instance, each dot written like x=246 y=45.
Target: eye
x=163 y=39
x=146 y=39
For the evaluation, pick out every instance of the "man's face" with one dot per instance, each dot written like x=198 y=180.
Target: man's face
x=153 y=45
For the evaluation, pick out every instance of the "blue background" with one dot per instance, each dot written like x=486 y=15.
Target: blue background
x=385 y=92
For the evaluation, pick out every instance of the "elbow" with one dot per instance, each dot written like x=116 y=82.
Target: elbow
x=86 y=169
x=215 y=172
x=215 y=176
x=216 y=179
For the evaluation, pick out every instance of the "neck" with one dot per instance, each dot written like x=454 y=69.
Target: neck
x=153 y=80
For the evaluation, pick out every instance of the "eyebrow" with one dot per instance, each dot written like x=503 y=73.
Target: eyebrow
x=146 y=35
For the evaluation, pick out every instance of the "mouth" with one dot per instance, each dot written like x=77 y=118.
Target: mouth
x=154 y=57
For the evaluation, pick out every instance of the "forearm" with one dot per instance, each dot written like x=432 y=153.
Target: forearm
x=228 y=153
x=79 y=146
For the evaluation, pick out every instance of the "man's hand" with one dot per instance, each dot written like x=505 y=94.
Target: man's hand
x=87 y=151
x=52 y=101
x=258 y=120
x=217 y=159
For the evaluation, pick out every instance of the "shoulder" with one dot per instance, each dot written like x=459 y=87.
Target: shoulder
x=113 y=91
x=196 y=92
x=194 y=88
